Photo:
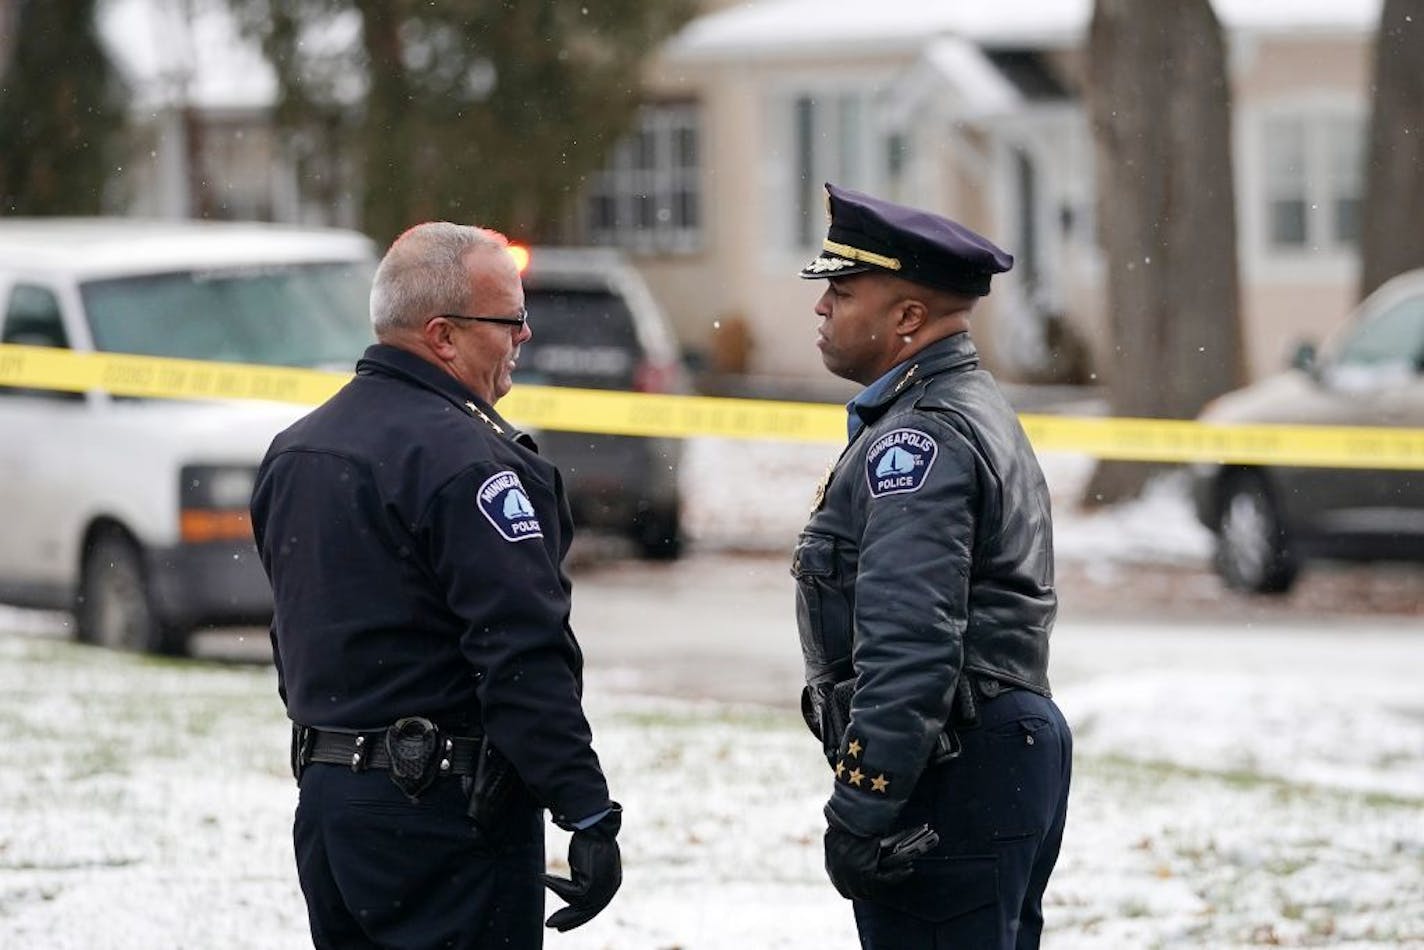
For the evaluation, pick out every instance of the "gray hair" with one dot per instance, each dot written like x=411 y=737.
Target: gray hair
x=423 y=274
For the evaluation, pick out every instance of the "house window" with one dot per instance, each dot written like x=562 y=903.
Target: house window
x=834 y=139
x=648 y=197
x=1313 y=182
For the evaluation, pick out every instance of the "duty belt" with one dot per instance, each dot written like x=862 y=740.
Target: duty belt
x=361 y=750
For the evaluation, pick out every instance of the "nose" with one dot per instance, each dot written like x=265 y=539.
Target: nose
x=522 y=335
x=823 y=305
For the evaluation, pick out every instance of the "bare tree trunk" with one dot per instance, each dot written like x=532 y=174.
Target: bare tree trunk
x=201 y=203
x=387 y=151
x=1392 y=237
x=1160 y=106
x=9 y=19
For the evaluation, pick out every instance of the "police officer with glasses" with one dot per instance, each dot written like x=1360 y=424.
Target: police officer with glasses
x=925 y=599
x=415 y=544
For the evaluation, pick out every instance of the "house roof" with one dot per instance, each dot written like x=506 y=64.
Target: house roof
x=764 y=29
x=205 y=60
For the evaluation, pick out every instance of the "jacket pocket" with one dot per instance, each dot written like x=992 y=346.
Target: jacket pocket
x=943 y=888
x=822 y=616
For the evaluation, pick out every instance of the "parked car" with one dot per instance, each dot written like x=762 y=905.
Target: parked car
x=596 y=326
x=1270 y=520
x=133 y=512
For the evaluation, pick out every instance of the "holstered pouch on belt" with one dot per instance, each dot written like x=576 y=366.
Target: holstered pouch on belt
x=413 y=745
x=826 y=709
x=303 y=739
x=963 y=714
x=495 y=789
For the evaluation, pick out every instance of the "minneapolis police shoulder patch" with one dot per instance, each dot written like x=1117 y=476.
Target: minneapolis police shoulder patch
x=505 y=503
x=899 y=461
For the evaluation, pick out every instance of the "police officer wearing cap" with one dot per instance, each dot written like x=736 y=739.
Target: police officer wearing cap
x=925 y=599
x=415 y=541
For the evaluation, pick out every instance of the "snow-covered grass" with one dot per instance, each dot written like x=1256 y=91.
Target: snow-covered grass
x=1235 y=785
x=147 y=805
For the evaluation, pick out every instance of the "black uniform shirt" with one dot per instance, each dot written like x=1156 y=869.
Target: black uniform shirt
x=415 y=542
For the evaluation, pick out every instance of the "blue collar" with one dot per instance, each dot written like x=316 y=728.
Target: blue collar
x=952 y=353
x=871 y=395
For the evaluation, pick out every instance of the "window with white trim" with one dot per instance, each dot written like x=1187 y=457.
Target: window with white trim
x=648 y=197
x=835 y=137
x=1314 y=182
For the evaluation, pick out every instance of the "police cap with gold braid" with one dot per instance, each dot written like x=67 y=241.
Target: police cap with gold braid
x=871 y=234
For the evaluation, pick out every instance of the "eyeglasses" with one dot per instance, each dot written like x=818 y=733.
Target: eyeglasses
x=517 y=320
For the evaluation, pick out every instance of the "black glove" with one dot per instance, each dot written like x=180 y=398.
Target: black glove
x=853 y=863
x=595 y=873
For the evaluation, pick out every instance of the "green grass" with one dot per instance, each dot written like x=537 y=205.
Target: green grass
x=742 y=718
x=1152 y=771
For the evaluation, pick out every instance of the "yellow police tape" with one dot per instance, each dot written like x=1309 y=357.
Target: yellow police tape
x=622 y=413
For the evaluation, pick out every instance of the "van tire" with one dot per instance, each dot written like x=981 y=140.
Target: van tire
x=115 y=606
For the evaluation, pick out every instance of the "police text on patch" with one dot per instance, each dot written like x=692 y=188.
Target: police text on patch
x=505 y=504
x=899 y=461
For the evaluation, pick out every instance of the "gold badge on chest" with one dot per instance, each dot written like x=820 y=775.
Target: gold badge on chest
x=819 y=498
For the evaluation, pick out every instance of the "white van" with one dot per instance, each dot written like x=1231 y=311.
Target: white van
x=133 y=512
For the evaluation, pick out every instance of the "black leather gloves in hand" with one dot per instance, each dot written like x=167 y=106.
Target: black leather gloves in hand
x=595 y=873
x=853 y=863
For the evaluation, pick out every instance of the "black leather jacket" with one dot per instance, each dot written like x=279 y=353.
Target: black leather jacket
x=929 y=556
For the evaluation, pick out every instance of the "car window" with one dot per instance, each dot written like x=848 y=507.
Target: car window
x=580 y=338
x=1393 y=338
x=33 y=318
x=291 y=315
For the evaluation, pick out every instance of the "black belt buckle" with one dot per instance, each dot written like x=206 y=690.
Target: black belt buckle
x=413 y=745
x=303 y=741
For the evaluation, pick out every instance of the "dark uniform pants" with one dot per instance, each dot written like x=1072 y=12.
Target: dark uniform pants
x=379 y=871
x=999 y=809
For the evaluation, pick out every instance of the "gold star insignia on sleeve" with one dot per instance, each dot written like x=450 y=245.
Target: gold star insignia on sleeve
x=840 y=768
x=856 y=777
x=879 y=784
x=854 y=749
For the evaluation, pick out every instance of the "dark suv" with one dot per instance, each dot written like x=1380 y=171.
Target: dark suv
x=1268 y=520
x=596 y=326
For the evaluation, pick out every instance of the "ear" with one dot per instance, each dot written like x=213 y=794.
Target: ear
x=439 y=337
x=913 y=315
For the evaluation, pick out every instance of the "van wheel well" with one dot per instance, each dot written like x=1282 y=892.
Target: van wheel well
x=114 y=605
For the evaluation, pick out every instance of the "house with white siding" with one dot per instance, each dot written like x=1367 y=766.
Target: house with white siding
x=974 y=110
